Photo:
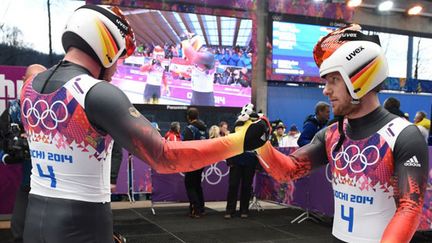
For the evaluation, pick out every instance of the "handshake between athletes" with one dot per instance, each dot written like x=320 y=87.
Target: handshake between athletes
x=252 y=132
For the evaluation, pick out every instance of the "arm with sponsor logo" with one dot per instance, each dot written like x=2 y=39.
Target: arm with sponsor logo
x=410 y=170
x=117 y=116
x=298 y=164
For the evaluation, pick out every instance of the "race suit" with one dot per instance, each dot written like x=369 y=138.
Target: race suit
x=379 y=175
x=70 y=119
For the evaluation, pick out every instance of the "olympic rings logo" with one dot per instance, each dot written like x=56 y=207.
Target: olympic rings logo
x=213 y=169
x=328 y=173
x=45 y=114
x=356 y=157
x=217 y=171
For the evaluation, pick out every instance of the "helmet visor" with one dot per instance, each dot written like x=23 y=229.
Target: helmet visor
x=331 y=42
x=126 y=30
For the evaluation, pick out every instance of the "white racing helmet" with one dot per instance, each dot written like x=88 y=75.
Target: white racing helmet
x=357 y=57
x=103 y=33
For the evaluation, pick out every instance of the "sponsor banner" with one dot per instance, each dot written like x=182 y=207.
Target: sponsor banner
x=171 y=187
x=10 y=84
x=10 y=175
x=313 y=192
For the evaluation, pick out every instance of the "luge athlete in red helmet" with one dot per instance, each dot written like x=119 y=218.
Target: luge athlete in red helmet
x=71 y=115
x=378 y=161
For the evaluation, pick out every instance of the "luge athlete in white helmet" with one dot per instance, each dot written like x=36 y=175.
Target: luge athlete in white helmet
x=378 y=161
x=203 y=70
x=71 y=117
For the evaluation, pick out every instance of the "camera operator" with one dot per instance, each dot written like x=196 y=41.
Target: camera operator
x=14 y=149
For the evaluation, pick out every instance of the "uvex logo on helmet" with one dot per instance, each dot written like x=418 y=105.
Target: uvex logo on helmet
x=354 y=53
x=122 y=25
x=349 y=35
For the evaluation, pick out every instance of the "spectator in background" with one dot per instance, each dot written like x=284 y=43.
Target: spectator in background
x=314 y=123
x=223 y=126
x=156 y=126
x=422 y=123
x=291 y=138
x=421 y=120
x=214 y=132
x=234 y=58
x=196 y=130
x=278 y=135
x=242 y=170
x=173 y=133
x=180 y=50
x=393 y=106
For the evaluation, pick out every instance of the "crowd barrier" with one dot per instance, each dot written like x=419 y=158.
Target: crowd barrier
x=136 y=177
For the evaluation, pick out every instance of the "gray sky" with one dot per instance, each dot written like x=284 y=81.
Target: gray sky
x=31 y=17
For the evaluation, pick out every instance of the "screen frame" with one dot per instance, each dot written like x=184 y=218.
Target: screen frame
x=318 y=21
x=245 y=14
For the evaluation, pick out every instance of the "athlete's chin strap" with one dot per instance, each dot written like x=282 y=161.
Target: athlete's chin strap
x=340 y=120
x=102 y=73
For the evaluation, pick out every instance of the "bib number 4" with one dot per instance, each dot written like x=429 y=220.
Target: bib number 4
x=349 y=217
x=50 y=174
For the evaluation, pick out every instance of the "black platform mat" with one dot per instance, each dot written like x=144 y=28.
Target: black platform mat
x=172 y=224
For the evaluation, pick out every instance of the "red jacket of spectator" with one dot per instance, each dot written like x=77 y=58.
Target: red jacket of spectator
x=172 y=136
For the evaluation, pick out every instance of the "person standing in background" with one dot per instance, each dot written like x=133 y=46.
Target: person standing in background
x=214 y=132
x=278 y=135
x=393 y=106
x=314 y=123
x=223 y=127
x=195 y=130
x=174 y=133
x=241 y=171
x=291 y=138
x=422 y=123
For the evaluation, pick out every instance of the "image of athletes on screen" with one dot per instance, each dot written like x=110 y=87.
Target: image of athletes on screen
x=187 y=59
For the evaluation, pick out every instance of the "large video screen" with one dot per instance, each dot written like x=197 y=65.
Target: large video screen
x=292 y=47
x=292 y=51
x=161 y=72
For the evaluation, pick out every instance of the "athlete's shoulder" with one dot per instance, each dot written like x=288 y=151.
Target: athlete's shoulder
x=393 y=129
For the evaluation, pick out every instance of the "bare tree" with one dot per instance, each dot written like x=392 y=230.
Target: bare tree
x=417 y=59
x=12 y=36
x=49 y=31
